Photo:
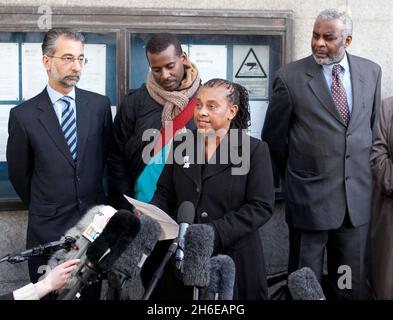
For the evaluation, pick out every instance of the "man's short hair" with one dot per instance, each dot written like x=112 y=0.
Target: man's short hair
x=48 y=44
x=160 y=41
x=333 y=14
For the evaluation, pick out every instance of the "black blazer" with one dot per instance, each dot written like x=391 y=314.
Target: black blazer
x=235 y=205
x=56 y=189
x=326 y=164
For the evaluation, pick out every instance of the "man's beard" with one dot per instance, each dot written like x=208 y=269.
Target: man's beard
x=332 y=59
x=69 y=83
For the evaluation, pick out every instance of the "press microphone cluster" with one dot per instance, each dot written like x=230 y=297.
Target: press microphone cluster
x=121 y=229
x=193 y=258
x=304 y=285
x=86 y=230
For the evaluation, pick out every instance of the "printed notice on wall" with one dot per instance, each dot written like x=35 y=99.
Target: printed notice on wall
x=94 y=72
x=34 y=77
x=211 y=61
x=9 y=75
x=4 y=115
x=251 y=69
x=257 y=113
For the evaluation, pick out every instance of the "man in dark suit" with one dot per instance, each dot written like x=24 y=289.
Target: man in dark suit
x=319 y=130
x=57 y=144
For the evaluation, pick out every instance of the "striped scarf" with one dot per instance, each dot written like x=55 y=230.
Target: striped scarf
x=174 y=102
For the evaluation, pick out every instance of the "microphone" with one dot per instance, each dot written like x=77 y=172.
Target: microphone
x=198 y=248
x=85 y=231
x=185 y=217
x=303 y=285
x=130 y=262
x=105 y=250
x=222 y=278
x=43 y=249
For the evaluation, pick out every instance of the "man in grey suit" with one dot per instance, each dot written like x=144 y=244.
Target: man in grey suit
x=319 y=130
x=57 y=144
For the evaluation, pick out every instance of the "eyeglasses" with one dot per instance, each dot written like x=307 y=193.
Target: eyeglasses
x=71 y=59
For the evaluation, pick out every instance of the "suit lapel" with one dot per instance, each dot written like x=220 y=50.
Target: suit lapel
x=357 y=90
x=320 y=88
x=83 y=121
x=50 y=122
x=221 y=157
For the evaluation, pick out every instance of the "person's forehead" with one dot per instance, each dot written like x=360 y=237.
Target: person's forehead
x=166 y=56
x=328 y=26
x=214 y=93
x=66 y=45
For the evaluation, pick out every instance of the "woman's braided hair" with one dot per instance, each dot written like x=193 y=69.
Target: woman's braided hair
x=238 y=95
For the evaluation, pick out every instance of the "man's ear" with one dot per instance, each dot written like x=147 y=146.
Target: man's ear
x=184 y=59
x=348 y=41
x=46 y=62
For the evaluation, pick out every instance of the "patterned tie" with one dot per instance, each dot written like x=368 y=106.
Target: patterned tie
x=338 y=94
x=68 y=125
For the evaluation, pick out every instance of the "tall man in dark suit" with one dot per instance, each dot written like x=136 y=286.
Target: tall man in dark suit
x=319 y=130
x=57 y=144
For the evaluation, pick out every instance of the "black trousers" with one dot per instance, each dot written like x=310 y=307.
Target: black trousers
x=346 y=246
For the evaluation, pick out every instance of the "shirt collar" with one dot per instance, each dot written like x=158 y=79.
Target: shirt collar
x=55 y=95
x=343 y=63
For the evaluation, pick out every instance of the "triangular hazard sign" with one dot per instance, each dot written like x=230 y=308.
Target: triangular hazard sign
x=251 y=67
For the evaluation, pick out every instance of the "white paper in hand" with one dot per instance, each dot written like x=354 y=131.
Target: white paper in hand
x=169 y=227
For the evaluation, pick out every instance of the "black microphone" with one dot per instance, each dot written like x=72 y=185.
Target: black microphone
x=77 y=232
x=185 y=217
x=84 y=231
x=105 y=250
x=198 y=248
x=128 y=266
x=303 y=285
x=65 y=244
x=222 y=278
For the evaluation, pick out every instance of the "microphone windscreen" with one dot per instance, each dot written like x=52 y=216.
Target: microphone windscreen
x=80 y=246
x=304 y=285
x=131 y=260
x=222 y=277
x=198 y=248
x=124 y=274
x=117 y=234
x=186 y=212
x=81 y=243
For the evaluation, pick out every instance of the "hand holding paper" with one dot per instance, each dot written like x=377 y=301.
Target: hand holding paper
x=169 y=227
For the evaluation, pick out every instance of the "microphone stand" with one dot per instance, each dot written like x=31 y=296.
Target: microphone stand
x=195 y=293
x=157 y=275
x=87 y=275
x=50 y=247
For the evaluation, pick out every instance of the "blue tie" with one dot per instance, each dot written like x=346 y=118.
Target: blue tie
x=68 y=126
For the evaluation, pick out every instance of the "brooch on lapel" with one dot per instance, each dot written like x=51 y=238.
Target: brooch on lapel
x=186 y=161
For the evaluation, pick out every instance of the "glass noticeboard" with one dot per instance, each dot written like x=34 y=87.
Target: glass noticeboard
x=250 y=60
x=23 y=76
